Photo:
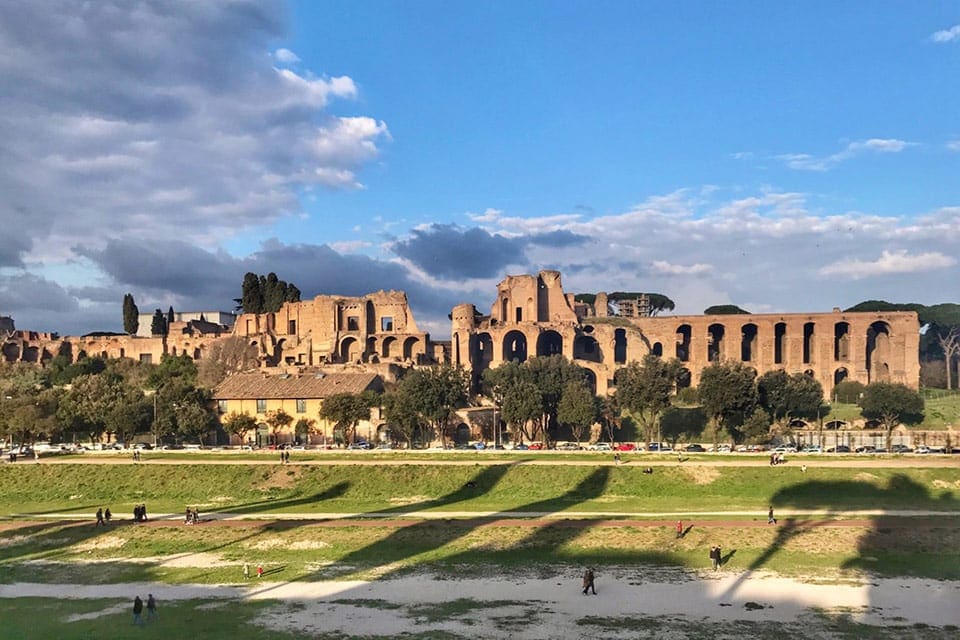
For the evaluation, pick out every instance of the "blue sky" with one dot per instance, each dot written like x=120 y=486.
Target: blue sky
x=778 y=156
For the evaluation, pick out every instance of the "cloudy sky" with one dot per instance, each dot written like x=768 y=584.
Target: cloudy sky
x=776 y=156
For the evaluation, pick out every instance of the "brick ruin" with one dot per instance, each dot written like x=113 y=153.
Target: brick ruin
x=532 y=316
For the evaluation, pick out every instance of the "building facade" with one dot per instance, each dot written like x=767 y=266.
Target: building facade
x=533 y=316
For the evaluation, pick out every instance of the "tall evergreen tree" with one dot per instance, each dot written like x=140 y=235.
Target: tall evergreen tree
x=131 y=320
x=158 y=326
x=252 y=297
x=170 y=316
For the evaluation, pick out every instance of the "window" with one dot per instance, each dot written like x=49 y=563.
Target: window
x=292 y=327
x=301 y=405
x=146 y=358
x=386 y=323
x=353 y=323
x=222 y=406
x=261 y=406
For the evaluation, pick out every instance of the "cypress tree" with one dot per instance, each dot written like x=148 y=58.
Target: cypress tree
x=158 y=326
x=131 y=320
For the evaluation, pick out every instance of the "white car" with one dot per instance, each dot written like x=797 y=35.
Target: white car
x=600 y=446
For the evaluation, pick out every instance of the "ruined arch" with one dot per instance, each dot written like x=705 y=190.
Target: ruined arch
x=481 y=350
x=684 y=336
x=591 y=379
x=657 y=349
x=349 y=349
x=841 y=341
x=587 y=348
x=409 y=347
x=809 y=335
x=779 y=342
x=840 y=375
x=620 y=346
x=371 y=351
x=462 y=434
x=878 y=352
x=748 y=342
x=549 y=343
x=715 y=346
x=388 y=348
x=515 y=347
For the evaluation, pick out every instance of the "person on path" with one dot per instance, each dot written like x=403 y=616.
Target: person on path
x=679 y=528
x=107 y=516
x=151 y=607
x=100 y=518
x=719 y=558
x=246 y=571
x=259 y=570
x=616 y=457
x=713 y=556
x=137 y=610
x=770 y=518
x=188 y=516
x=196 y=516
x=588 y=582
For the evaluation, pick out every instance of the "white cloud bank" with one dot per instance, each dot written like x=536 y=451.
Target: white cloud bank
x=889 y=263
x=807 y=162
x=946 y=35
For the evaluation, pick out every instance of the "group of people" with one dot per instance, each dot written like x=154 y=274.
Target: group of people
x=716 y=556
x=136 y=455
x=776 y=457
x=192 y=516
x=103 y=517
x=138 y=609
x=284 y=457
x=140 y=513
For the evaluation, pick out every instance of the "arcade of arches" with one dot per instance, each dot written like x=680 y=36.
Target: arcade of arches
x=532 y=316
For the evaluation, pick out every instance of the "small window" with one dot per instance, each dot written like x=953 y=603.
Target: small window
x=145 y=358
x=222 y=406
x=519 y=314
x=292 y=327
x=386 y=323
x=301 y=405
x=261 y=406
x=353 y=323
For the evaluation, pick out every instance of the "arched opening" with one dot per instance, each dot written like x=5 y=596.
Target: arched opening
x=684 y=333
x=808 y=339
x=591 y=379
x=197 y=354
x=715 y=333
x=835 y=424
x=370 y=354
x=371 y=314
x=620 y=346
x=748 y=342
x=549 y=343
x=587 y=348
x=657 y=349
x=839 y=375
x=515 y=347
x=389 y=348
x=841 y=341
x=410 y=348
x=779 y=342
x=462 y=434
x=878 y=352
x=349 y=350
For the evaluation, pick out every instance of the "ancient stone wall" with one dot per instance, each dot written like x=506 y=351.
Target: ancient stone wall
x=831 y=347
x=378 y=327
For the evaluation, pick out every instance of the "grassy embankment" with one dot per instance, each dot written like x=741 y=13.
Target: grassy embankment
x=56 y=552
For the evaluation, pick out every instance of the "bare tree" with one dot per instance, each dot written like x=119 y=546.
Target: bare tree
x=950 y=343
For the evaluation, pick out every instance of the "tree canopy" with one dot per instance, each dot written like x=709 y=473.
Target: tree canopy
x=724 y=310
x=891 y=404
x=728 y=394
x=266 y=294
x=131 y=319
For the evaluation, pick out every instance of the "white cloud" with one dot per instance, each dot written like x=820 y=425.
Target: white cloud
x=664 y=267
x=889 y=262
x=286 y=56
x=953 y=145
x=807 y=162
x=946 y=35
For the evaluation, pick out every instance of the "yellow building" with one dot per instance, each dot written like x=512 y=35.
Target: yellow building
x=299 y=395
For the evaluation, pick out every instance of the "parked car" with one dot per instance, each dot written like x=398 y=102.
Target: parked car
x=600 y=446
x=569 y=446
x=721 y=448
x=360 y=445
x=625 y=446
x=901 y=448
x=865 y=449
x=694 y=448
x=842 y=448
x=811 y=449
x=787 y=448
x=536 y=446
x=520 y=447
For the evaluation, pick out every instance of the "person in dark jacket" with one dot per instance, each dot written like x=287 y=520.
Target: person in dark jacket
x=588 y=582
x=137 y=610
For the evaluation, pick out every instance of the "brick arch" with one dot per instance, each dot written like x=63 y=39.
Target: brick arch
x=514 y=346
x=549 y=343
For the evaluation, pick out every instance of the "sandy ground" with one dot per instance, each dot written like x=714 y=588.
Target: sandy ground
x=538 y=607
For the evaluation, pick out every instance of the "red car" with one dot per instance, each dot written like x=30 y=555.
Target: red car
x=535 y=446
x=625 y=446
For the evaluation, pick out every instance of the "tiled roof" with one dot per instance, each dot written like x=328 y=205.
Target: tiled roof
x=244 y=386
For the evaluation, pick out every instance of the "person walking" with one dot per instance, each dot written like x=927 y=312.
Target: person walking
x=679 y=529
x=588 y=582
x=107 y=516
x=616 y=457
x=151 y=607
x=100 y=518
x=770 y=518
x=713 y=557
x=246 y=571
x=137 y=610
x=259 y=570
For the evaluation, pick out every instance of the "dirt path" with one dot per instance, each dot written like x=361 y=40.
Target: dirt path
x=390 y=607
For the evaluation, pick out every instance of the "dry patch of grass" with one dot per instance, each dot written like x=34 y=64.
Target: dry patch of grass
x=103 y=542
x=701 y=474
x=863 y=476
x=283 y=477
x=405 y=500
x=284 y=543
x=942 y=484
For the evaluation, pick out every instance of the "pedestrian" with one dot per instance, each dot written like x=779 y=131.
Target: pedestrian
x=196 y=516
x=137 y=610
x=188 y=517
x=100 y=518
x=773 y=459
x=714 y=561
x=770 y=518
x=246 y=571
x=616 y=457
x=259 y=570
x=719 y=557
x=151 y=607
x=281 y=457
x=107 y=516
x=679 y=528
x=803 y=468
x=588 y=582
